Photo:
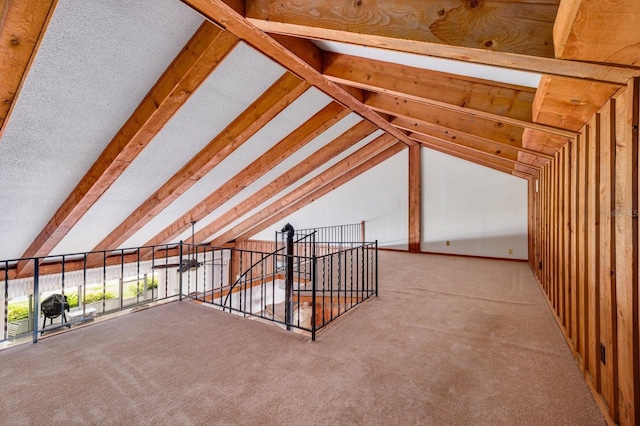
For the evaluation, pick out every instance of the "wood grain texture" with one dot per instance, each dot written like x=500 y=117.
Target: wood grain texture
x=375 y=38
x=306 y=166
x=486 y=129
x=598 y=31
x=201 y=55
x=626 y=240
x=415 y=199
x=22 y=26
x=295 y=140
x=274 y=100
x=569 y=103
x=372 y=148
x=420 y=84
x=508 y=26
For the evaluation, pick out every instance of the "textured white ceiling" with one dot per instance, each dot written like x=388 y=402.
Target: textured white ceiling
x=468 y=69
x=81 y=88
x=209 y=110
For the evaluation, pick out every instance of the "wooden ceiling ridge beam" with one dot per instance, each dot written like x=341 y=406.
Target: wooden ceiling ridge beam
x=531 y=55
x=416 y=126
x=273 y=101
x=230 y=14
x=336 y=182
x=363 y=154
x=329 y=151
x=196 y=61
x=501 y=103
x=305 y=133
x=420 y=138
x=22 y=27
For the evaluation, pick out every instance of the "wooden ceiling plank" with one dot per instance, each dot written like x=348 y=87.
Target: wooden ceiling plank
x=306 y=166
x=516 y=61
x=476 y=126
x=446 y=133
x=288 y=209
x=22 y=26
x=201 y=55
x=219 y=11
x=372 y=148
x=273 y=101
x=301 y=136
x=509 y=26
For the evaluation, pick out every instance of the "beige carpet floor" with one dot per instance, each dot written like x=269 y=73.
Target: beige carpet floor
x=450 y=341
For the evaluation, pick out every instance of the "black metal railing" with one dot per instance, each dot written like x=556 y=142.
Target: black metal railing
x=304 y=288
x=94 y=283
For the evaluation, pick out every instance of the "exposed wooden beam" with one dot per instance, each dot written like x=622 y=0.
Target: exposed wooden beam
x=301 y=136
x=197 y=60
x=465 y=95
x=399 y=107
x=331 y=186
x=507 y=26
x=306 y=166
x=415 y=199
x=470 y=150
x=280 y=20
x=597 y=31
x=219 y=11
x=456 y=136
x=274 y=100
x=22 y=26
x=472 y=145
x=343 y=166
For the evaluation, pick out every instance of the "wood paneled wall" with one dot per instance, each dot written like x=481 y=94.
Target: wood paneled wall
x=583 y=224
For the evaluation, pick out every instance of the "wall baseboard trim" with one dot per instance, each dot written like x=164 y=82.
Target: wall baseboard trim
x=470 y=256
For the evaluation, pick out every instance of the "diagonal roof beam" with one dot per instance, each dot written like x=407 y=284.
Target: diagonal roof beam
x=301 y=136
x=363 y=154
x=324 y=190
x=273 y=101
x=197 y=60
x=465 y=95
x=234 y=21
x=429 y=129
x=306 y=166
x=22 y=26
x=399 y=107
x=315 y=20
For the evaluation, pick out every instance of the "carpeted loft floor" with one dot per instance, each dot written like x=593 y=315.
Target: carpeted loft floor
x=450 y=341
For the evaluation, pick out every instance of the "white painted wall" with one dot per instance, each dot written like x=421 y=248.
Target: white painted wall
x=480 y=211
x=379 y=197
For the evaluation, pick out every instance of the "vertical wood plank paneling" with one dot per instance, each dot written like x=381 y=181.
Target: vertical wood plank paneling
x=566 y=254
x=592 y=256
x=559 y=233
x=580 y=248
x=608 y=369
x=553 y=232
x=626 y=251
x=573 y=229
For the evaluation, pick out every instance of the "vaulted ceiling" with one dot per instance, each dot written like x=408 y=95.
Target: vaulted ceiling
x=123 y=122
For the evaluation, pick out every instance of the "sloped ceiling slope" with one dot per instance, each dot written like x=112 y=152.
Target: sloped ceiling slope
x=123 y=123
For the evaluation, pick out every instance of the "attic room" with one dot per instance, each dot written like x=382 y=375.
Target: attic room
x=450 y=187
